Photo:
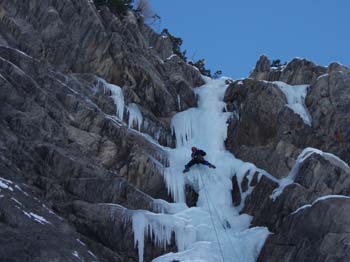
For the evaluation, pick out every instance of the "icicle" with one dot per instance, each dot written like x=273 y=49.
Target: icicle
x=118 y=97
x=160 y=227
x=175 y=185
x=181 y=125
x=135 y=116
x=179 y=102
x=138 y=227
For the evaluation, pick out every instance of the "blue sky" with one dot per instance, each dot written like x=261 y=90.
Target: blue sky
x=232 y=34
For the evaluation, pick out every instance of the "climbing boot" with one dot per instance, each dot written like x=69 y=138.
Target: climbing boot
x=186 y=169
x=212 y=166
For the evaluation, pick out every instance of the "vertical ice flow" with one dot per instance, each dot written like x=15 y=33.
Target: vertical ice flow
x=213 y=230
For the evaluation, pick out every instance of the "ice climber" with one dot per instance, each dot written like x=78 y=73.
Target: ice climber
x=197 y=158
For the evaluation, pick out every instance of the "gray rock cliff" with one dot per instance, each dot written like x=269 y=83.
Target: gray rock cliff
x=306 y=222
x=71 y=171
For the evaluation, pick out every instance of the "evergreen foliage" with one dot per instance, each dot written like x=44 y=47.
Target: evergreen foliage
x=177 y=42
x=200 y=64
x=116 y=6
x=277 y=63
x=217 y=74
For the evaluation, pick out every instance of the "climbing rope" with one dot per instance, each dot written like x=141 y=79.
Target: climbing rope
x=212 y=220
x=218 y=216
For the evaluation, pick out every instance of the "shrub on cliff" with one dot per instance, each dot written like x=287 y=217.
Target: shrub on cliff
x=144 y=8
x=177 y=42
x=277 y=63
x=116 y=6
x=200 y=64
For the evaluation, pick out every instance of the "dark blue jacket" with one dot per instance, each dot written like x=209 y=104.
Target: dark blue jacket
x=198 y=155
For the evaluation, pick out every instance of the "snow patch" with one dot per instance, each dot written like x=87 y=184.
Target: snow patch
x=5 y=184
x=171 y=56
x=20 y=189
x=321 y=76
x=81 y=242
x=36 y=217
x=51 y=212
x=15 y=200
x=17 y=50
x=318 y=200
x=76 y=254
x=296 y=99
x=307 y=152
x=92 y=254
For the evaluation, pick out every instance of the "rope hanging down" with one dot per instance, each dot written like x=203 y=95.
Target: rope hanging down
x=219 y=218
x=212 y=220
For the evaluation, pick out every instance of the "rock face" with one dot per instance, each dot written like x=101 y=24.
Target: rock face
x=328 y=103
x=264 y=128
x=297 y=72
x=268 y=133
x=302 y=217
x=317 y=176
x=316 y=233
x=71 y=171
x=74 y=37
x=63 y=147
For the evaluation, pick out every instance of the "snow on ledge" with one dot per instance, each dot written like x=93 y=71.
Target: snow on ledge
x=306 y=153
x=5 y=184
x=36 y=217
x=76 y=254
x=296 y=99
x=322 y=76
x=170 y=57
x=318 y=200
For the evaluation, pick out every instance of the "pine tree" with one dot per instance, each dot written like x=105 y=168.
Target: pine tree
x=116 y=6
